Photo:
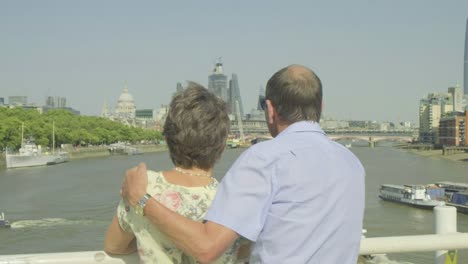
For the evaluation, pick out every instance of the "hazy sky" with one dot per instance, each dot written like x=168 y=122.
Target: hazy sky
x=376 y=59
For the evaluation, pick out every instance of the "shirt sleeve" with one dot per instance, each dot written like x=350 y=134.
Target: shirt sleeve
x=122 y=216
x=245 y=195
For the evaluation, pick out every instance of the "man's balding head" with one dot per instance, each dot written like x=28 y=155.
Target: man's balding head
x=296 y=93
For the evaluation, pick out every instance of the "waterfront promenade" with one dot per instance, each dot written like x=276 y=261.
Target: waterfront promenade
x=438 y=154
x=75 y=153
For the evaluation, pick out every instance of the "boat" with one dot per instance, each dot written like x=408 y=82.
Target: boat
x=421 y=196
x=3 y=222
x=453 y=187
x=233 y=143
x=259 y=139
x=457 y=195
x=121 y=148
x=31 y=155
x=348 y=145
x=459 y=200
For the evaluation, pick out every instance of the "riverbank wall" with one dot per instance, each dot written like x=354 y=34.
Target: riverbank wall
x=98 y=151
x=2 y=160
x=438 y=153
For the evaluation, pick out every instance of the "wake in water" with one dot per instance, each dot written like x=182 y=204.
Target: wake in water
x=49 y=222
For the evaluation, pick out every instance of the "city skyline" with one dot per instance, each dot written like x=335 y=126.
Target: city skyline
x=374 y=65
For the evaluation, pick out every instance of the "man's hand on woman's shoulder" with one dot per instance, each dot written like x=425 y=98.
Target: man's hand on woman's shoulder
x=134 y=184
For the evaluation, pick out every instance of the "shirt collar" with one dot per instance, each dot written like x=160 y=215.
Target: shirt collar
x=302 y=126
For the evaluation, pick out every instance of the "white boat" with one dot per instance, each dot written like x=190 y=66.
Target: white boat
x=31 y=155
x=121 y=148
x=348 y=145
x=3 y=222
x=414 y=195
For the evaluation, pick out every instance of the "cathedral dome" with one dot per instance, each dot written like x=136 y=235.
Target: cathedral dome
x=125 y=105
x=125 y=97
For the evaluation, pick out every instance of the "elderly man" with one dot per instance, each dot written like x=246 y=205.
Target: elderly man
x=299 y=196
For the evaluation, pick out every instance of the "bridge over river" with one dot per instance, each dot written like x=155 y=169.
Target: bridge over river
x=259 y=129
x=371 y=136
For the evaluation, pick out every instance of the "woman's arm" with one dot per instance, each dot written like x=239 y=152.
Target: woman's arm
x=204 y=241
x=118 y=241
x=243 y=254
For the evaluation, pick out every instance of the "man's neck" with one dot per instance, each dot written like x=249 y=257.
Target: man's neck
x=281 y=126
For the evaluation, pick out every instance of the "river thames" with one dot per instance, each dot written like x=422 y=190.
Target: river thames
x=68 y=207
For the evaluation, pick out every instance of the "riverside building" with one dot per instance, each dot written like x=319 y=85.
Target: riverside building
x=442 y=118
x=431 y=109
x=453 y=129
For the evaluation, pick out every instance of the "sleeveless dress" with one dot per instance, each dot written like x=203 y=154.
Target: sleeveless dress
x=191 y=202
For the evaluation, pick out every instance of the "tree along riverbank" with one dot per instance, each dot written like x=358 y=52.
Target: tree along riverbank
x=61 y=127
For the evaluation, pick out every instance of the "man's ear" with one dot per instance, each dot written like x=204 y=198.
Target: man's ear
x=271 y=112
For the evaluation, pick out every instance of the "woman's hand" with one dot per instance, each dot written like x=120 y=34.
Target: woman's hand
x=134 y=184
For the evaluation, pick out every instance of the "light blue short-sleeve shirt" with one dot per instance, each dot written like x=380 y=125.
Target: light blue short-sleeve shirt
x=299 y=196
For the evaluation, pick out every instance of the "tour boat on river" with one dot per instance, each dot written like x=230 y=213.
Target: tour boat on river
x=453 y=187
x=3 y=222
x=457 y=194
x=420 y=196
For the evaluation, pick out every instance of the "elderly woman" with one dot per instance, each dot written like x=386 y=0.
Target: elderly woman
x=196 y=129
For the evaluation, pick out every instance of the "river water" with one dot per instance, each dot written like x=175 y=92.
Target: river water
x=67 y=207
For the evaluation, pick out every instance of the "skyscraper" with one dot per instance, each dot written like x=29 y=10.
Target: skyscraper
x=50 y=102
x=18 y=100
x=457 y=97
x=465 y=81
x=179 y=87
x=61 y=102
x=217 y=82
x=56 y=102
x=235 y=99
x=261 y=92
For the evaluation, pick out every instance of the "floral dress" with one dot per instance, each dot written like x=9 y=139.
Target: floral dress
x=191 y=202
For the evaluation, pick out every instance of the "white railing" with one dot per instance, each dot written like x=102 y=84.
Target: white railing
x=421 y=243
x=446 y=238
x=85 y=257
